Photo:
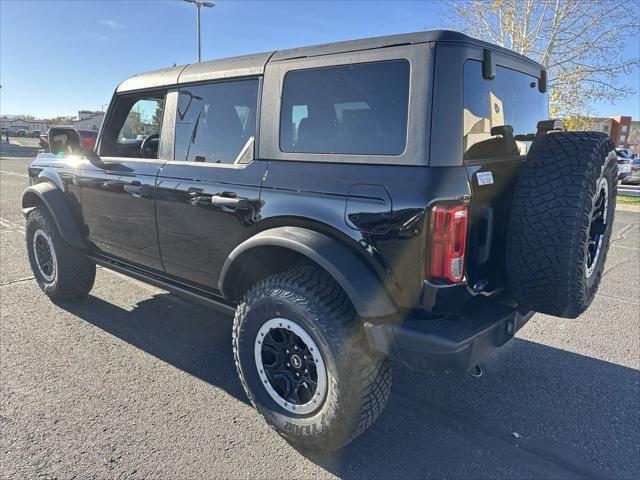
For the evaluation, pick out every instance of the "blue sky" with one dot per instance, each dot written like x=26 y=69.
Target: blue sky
x=58 y=57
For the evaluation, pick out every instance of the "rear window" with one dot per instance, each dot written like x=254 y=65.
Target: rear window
x=356 y=109
x=510 y=105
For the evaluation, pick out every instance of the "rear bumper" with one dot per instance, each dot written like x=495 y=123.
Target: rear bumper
x=457 y=342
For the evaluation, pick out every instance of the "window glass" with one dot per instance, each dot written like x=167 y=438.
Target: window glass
x=500 y=113
x=133 y=119
x=144 y=119
x=349 y=109
x=214 y=122
x=625 y=128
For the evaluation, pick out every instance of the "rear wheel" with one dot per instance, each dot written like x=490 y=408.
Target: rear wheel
x=561 y=222
x=62 y=272
x=304 y=361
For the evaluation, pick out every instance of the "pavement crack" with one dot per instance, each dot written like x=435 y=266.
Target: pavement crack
x=20 y=280
x=622 y=233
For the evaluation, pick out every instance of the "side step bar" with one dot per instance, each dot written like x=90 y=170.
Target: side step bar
x=183 y=291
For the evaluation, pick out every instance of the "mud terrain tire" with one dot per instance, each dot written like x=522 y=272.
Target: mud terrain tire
x=561 y=221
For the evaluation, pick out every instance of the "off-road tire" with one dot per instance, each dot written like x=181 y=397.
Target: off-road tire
x=358 y=380
x=74 y=273
x=550 y=222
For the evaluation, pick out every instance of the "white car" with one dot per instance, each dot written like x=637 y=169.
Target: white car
x=624 y=162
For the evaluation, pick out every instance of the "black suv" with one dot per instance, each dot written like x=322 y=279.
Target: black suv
x=399 y=196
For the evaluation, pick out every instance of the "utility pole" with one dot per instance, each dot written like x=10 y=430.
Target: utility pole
x=199 y=4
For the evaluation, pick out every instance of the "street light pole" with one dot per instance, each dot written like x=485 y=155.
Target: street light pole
x=198 y=29
x=199 y=4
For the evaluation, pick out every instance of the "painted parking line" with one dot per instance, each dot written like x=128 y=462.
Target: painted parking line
x=14 y=174
x=10 y=225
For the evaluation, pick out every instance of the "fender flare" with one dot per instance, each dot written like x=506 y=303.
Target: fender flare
x=53 y=198
x=363 y=287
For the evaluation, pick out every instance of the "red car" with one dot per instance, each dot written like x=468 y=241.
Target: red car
x=87 y=138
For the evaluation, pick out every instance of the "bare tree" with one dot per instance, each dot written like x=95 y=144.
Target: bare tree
x=579 y=42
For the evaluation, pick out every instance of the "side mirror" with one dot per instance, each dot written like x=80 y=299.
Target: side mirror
x=65 y=140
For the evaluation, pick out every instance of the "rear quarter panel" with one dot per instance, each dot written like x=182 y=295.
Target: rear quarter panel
x=314 y=195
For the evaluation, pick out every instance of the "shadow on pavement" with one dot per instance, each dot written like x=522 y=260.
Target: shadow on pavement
x=538 y=412
x=191 y=338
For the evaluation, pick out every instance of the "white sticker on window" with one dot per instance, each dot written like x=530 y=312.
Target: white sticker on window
x=484 y=178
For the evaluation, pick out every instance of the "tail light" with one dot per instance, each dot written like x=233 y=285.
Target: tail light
x=87 y=142
x=447 y=248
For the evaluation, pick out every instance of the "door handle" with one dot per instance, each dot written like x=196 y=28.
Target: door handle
x=228 y=199
x=196 y=198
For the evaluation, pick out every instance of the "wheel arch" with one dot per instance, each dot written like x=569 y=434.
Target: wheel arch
x=53 y=199
x=275 y=250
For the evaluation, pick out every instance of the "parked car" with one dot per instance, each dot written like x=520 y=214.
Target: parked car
x=626 y=152
x=624 y=163
x=348 y=202
x=36 y=133
x=634 y=177
x=44 y=141
x=87 y=137
x=21 y=132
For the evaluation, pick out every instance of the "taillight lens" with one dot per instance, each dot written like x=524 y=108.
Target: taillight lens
x=447 y=248
x=86 y=142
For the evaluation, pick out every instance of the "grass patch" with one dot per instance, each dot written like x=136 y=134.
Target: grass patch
x=625 y=200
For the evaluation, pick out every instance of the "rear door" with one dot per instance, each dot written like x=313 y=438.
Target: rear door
x=500 y=116
x=118 y=192
x=208 y=196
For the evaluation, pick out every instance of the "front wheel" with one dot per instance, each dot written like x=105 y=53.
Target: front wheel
x=304 y=361
x=62 y=272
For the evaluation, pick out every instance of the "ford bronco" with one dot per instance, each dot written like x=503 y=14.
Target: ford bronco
x=400 y=197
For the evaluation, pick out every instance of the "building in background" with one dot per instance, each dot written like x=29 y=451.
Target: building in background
x=633 y=139
x=622 y=130
x=89 y=120
x=14 y=124
x=86 y=120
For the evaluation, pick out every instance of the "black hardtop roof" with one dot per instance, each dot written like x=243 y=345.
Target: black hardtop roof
x=254 y=64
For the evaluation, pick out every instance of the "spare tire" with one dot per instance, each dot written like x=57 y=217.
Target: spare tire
x=561 y=220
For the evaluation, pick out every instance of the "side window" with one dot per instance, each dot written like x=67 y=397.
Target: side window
x=215 y=122
x=134 y=126
x=144 y=119
x=356 y=109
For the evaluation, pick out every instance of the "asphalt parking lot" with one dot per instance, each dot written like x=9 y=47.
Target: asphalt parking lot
x=133 y=382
